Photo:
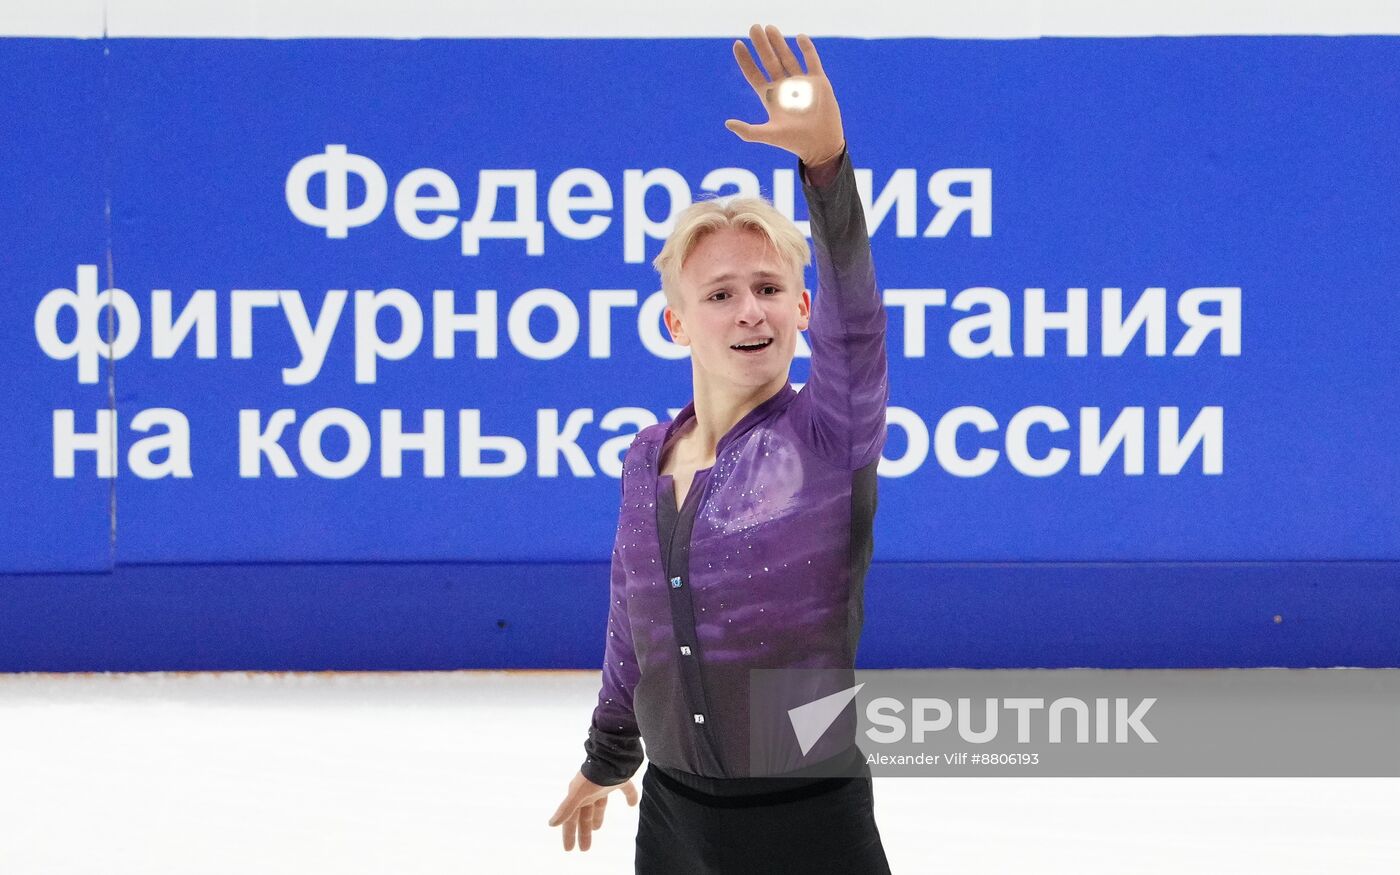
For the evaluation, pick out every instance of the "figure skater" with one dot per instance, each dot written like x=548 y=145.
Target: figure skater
x=745 y=530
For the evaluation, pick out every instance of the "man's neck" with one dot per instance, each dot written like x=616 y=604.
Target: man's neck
x=718 y=410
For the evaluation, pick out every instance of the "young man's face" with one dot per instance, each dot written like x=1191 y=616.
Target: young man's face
x=735 y=289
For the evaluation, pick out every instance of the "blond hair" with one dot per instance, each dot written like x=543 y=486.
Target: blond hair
x=708 y=215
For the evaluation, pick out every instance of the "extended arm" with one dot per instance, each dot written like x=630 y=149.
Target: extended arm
x=848 y=386
x=845 y=397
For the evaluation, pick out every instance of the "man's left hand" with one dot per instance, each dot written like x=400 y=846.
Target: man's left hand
x=803 y=116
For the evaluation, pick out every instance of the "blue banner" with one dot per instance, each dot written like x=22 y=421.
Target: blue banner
x=1140 y=292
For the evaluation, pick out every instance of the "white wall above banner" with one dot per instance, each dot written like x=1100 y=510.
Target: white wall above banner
x=565 y=19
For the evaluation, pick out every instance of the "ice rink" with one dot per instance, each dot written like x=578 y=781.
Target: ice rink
x=459 y=772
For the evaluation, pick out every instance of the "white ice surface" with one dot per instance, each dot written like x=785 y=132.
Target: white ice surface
x=458 y=772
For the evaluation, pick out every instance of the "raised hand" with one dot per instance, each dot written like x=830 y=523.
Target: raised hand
x=803 y=117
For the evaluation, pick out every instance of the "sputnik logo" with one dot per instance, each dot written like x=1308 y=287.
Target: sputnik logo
x=812 y=720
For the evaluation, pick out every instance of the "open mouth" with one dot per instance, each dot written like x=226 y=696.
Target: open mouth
x=756 y=346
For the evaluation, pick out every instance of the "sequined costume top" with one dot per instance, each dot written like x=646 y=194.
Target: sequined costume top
x=764 y=564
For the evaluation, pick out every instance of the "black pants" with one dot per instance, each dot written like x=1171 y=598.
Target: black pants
x=823 y=828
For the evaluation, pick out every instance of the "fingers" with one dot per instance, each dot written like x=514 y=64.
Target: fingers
x=766 y=53
x=784 y=52
x=809 y=55
x=743 y=130
x=567 y=815
x=579 y=821
x=565 y=809
x=579 y=828
x=570 y=826
x=585 y=829
x=755 y=76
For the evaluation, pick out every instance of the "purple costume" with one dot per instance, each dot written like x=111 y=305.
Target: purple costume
x=764 y=564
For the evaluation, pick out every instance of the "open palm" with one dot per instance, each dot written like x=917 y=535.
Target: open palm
x=803 y=116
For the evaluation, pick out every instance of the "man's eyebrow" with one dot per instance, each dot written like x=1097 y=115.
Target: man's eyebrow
x=764 y=274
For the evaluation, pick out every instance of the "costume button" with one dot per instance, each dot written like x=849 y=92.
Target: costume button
x=685 y=651
x=699 y=718
x=675 y=583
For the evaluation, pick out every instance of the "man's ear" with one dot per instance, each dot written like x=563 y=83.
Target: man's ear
x=675 y=326
x=804 y=310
